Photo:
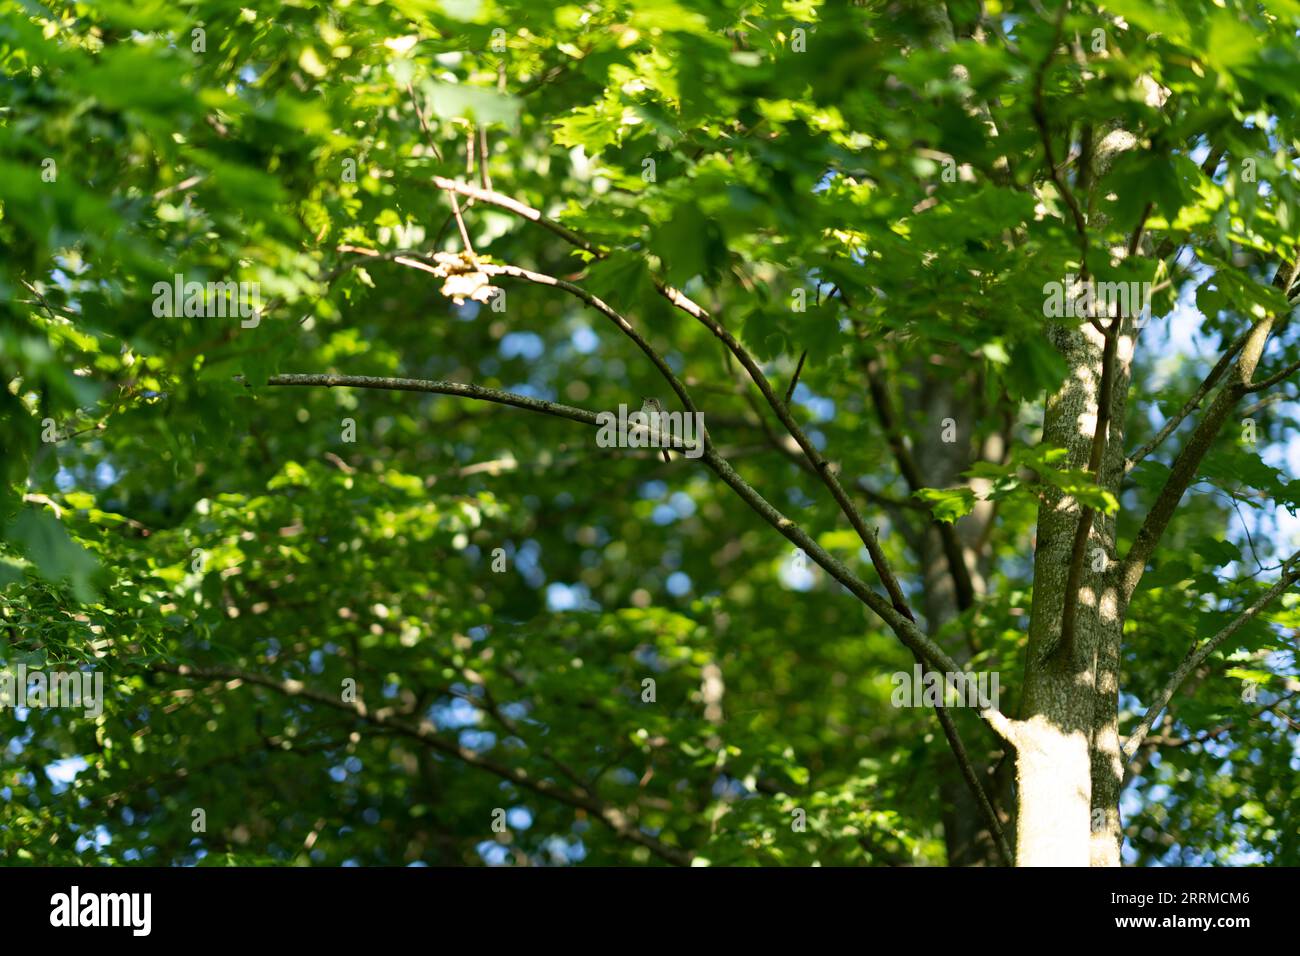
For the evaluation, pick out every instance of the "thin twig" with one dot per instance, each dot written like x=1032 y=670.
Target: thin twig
x=428 y=135
x=1189 y=406
x=1039 y=110
x=424 y=732
x=702 y=315
x=1197 y=655
x=794 y=379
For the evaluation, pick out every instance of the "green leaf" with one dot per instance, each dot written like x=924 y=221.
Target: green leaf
x=456 y=101
x=55 y=556
x=947 y=504
x=1216 y=553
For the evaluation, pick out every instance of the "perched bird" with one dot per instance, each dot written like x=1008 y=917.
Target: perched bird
x=652 y=407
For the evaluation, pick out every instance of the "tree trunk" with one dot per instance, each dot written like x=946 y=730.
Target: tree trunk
x=967 y=839
x=1067 y=744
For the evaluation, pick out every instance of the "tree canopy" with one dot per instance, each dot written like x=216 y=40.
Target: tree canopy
x=365 y=589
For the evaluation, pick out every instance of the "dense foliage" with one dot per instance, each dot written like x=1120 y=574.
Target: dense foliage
x=858 y=192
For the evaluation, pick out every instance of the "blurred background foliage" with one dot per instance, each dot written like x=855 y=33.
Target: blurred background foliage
x=161 y=507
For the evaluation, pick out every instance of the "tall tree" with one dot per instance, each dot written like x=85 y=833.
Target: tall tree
x=311 y=317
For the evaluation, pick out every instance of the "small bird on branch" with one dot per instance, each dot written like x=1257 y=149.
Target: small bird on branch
x=651 y=407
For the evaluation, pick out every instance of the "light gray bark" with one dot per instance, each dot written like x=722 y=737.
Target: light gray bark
x=1069 y=729
x=1072 y=692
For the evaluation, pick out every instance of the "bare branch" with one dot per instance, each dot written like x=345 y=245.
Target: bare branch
x=1272 y=379
x=610 y=313
x=505 y=202
x=1189 y=459
x=904 y=627
x=1206 y=386
x=1039 y=110
x=972 y=779
x=407 y=258
x=895 y=613
x=822 y=466
x=425 y=732
x=428 y=135
x=794 y=379
x=693 y=309
x=1220 y=730
x=461 y=389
